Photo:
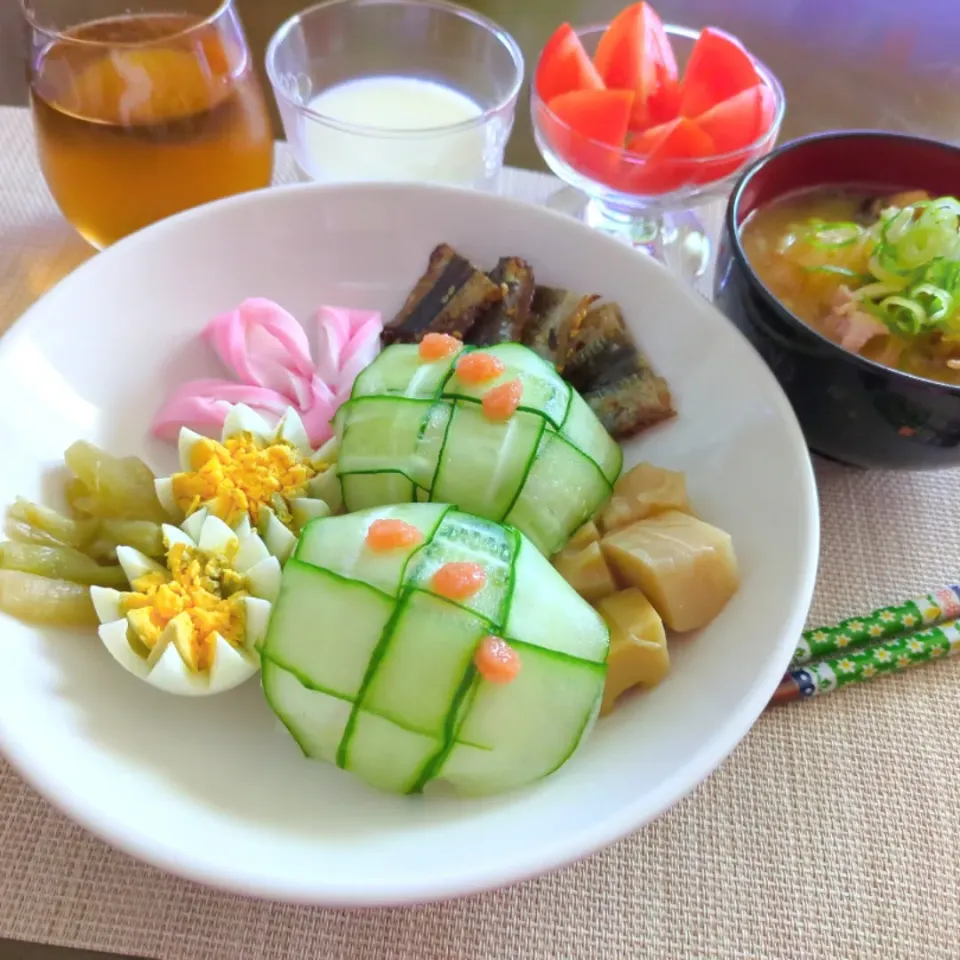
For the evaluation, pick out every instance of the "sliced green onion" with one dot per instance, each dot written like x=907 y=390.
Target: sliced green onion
x=836 y=270
x=840 y=234
x=938 y=218
x=942 y=305
x=949 y=205
x=873 y=291
x=944 y=274
x=906 y=316
x=881 y=272
x=920 y=245
x=895 y=227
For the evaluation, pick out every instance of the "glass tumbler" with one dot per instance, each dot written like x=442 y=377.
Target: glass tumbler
x=142 y=111
x=416 y=90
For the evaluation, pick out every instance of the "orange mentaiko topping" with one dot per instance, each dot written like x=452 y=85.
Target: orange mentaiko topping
x=478 y=367
x=458 y=581
x=388 y=534
x=496 y=660
x=500 y=403
x=438 y=346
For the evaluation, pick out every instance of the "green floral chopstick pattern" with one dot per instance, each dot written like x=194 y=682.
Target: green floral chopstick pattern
x=859 y=666
x=874 y=628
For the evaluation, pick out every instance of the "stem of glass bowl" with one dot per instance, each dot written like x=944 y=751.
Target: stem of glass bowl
x=676 y=238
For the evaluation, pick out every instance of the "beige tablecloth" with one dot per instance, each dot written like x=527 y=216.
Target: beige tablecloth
x=832 y=832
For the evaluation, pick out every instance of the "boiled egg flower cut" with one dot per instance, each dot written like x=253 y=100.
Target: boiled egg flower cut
x=192 y=626
x=270 y=476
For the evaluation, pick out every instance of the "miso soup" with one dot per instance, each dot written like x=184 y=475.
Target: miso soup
x=878 y=275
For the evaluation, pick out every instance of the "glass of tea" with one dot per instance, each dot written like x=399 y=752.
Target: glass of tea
x=141 y=112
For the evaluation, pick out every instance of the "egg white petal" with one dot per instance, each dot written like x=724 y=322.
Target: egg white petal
x=231 y=667
x=326 y=486
x=305 y=509
x=164 y=488
x=264 y=579
x=172 y=535
x=187 y=440
x=165 y=640
x=114 y=638
x=170 y=674
x=217 y=538
x=291 y=429
x=326 y=454
x=244 y=528
x=135 y=564
x=279 y=540
x=257 y=614
x=241 y=419
x=106 y=601
x=252 y=550
x=194 y=524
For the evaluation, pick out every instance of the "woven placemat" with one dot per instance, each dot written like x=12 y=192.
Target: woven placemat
x=832 y=832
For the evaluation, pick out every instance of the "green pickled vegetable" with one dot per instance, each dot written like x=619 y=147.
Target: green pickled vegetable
x=117 y=487
x=43 y=600
x=31 y=523
x=102 y=550
x=48 y=526
x=144 y=535
x=59 y=563
x=77 y=494
x=24 y=533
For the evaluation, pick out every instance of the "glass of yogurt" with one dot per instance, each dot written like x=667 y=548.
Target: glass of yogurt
x=414 y=90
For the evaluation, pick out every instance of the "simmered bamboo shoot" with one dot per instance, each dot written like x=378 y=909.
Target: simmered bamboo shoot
x=638 y=645
x=642 y=492
x=586 y=571
x=685 y=567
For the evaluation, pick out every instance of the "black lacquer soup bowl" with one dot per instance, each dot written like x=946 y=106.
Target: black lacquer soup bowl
x=851 y=409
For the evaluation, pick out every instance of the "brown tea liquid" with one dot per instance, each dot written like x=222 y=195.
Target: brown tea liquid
x=167 y=117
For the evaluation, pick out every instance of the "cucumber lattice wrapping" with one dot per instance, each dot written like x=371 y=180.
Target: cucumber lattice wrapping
x=413 y=432
x=370 y=669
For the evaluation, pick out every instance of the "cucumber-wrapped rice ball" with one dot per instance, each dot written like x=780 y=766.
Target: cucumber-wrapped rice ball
x=451 y=652
x=416 y=429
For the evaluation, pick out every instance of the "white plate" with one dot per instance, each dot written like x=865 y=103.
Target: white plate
x=209 y=788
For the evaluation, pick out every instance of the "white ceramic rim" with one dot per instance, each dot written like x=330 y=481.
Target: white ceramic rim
x=569 y=847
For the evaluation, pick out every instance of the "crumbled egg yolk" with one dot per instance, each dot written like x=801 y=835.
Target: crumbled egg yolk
x=204 y=596
x=241 y=475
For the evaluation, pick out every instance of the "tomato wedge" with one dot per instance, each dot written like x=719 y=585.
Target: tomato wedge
x=680 y=139
x=634 y=53
x=587 y=129
x=735 y=124
x=565 y=66
x=740 y=120
x=718 y=68
x=602 y=115
x=665 y=147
